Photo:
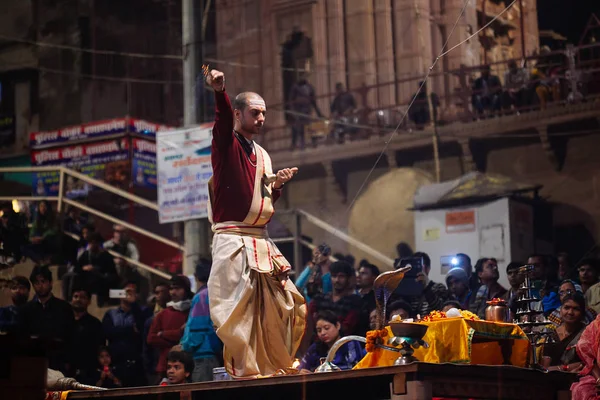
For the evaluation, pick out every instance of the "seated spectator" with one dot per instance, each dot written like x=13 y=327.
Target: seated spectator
x=451 y=304
x=168 y=325
x=68 y=279
x=400 y=308
x=316 y=278
x=9 y=315
x=588 y=348
x=12 y=236
x=48 y=317
x=367 y=274
x=150 y=354
x=373 y=319
x=96 y=270
x=487 y=272
x=74 y=224
x=302 y=100
x=544 y=78
x=588 y=270
x=543 y=286
x=122 y=328
x=328 y=332
x=123 y=244
x=199 y=337
x=464 y=261
x=516 y=83
x=568 y=287
x=433 y=296
x=563 y=352
x=43 y=234
x=515 y=279
x=565 y=270
x=342 y=301
x=180 y=367
x=458 y=284
x=106 y=376
x=342 y=106
x=87 y=337
x=486 y=93
x=419 y=113
x=83 y=244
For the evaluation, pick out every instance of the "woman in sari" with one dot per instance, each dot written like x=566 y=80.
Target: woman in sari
x=562 y=352
x=569 y=287
x=588 y=350
x=328 y=332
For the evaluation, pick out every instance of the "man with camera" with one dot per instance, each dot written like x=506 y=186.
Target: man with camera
x=423 y=294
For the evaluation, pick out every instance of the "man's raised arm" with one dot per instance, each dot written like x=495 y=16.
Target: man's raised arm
x=223 y=129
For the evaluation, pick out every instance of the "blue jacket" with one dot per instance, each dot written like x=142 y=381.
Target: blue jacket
x=199 y=336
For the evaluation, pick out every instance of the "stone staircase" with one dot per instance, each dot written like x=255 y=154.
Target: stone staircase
x=25 y=269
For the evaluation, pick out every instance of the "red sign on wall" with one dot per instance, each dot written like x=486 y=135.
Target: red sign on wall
x=460 y=221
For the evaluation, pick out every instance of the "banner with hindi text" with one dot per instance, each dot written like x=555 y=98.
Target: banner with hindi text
x=106 y=160
x=184 y=168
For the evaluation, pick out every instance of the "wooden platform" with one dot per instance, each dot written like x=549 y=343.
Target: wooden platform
x=416 y=381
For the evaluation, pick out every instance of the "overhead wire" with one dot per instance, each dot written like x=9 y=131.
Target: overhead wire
x=91 y=51
x=424 y=81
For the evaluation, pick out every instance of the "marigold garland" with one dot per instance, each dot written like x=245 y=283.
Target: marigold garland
x=439 y=315
x=469 y=315
x=374 y=338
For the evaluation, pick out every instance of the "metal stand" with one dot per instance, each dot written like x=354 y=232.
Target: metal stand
x=529 y=319
x=409 y=345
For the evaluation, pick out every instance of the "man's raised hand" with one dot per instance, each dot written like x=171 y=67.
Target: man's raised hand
x=216 y=80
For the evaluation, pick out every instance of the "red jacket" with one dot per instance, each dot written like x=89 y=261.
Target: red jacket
x=171 y=323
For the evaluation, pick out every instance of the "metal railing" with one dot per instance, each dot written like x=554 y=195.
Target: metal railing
x=296 y=239
x=573 y=73
x=61 y=199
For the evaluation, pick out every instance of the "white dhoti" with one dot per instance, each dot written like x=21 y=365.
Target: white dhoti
x=260 y=321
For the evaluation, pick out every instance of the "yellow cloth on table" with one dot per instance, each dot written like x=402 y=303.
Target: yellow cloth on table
x=451 y=341
x=61 y=395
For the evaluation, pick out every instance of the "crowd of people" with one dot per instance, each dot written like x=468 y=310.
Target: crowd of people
x=521 y=88
x=165 y=341
x=167 y=336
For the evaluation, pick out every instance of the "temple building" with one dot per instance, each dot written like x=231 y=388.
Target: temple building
x=265 y=46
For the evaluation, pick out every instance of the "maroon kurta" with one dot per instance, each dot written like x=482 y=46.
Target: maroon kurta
x=233 y=173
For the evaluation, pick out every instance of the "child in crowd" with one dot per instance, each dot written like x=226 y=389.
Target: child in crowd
x=105 y=375
x=180 y=366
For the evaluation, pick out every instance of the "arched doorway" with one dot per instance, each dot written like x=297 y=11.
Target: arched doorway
x=296 y=59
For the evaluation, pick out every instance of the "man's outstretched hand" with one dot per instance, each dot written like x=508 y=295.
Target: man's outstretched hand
x=216 y=80
x=284 y=176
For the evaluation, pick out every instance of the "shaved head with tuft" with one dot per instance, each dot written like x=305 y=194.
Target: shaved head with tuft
x=244 y=99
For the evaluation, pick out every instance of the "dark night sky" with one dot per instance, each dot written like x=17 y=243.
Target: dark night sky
x=567 y=17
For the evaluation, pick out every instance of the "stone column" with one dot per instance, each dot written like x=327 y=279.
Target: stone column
x=320 y=78
x=470 y=52
x=335 y=41
x=532 y=32
x=384 y=47
x=270 y=63
x=412 y=44
x=360 y=41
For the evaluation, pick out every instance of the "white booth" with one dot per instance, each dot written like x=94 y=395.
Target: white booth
x=479 y=215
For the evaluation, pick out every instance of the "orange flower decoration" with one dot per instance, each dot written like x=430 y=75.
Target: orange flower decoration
x=496 y=302
x=374 y=338
x=434 y=316
x=469 y=315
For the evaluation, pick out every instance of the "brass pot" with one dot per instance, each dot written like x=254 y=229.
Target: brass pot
x=498 y=312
